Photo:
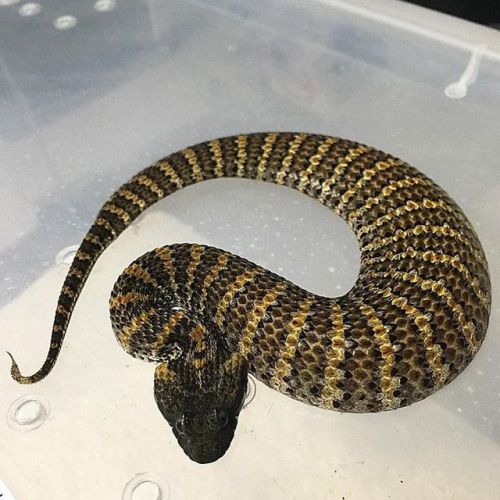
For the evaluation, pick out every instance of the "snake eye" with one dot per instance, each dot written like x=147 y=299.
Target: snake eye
x=223 y=418
x=217 y=419
x=180 y=425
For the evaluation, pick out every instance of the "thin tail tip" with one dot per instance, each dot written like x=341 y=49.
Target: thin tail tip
x=16 y=373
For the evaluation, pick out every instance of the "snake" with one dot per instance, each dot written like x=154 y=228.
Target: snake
x=413 y=320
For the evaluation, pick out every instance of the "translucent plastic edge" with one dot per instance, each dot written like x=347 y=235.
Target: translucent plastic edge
x=425 y=22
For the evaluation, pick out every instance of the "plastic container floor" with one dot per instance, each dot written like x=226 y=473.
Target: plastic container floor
x=92 y=92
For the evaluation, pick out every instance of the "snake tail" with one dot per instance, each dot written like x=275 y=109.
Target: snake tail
x=412 y=322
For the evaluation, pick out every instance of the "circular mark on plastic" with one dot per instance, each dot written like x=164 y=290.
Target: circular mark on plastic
x=66 y=255
x=27 y=413
x=65 y=22
x=105 y=5
x=457 y=90
x=251 y=391
x=8 y=2
x=30 y=9
x=146 y=486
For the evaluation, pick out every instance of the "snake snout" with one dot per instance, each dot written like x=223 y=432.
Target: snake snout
x=206 y=445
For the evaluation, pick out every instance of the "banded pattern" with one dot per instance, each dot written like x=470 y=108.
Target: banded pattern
x=412 y=322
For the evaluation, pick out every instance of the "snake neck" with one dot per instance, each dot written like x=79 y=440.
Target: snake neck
x=199 y=382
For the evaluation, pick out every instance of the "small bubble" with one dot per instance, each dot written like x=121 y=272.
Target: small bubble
x=105 y=5
x=331 y=269
x=28 y=413
x=30 y=9
x=459 y=410
x=65 y=22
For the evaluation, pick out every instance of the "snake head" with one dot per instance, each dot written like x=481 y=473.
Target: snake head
x=202 y=405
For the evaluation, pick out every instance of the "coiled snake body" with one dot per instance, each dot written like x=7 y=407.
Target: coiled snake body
x=414 y=319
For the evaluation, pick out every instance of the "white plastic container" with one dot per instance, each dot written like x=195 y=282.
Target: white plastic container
x=91 y=93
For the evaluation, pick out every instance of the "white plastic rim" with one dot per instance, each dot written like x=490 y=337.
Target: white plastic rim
x=251 y=391
x=65 y=22
x=30 y=9
x=28 y=413
x=66 y=255
x=105 y=5
x=146 y=486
